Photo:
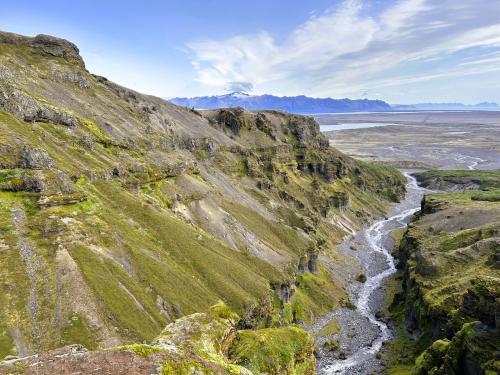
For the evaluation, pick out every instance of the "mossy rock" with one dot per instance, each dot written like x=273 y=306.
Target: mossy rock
x=287 y=350
x=331 y=345
x=431 y=360
x=361 y=278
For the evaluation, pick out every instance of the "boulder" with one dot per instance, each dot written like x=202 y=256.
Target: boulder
x=35 y=158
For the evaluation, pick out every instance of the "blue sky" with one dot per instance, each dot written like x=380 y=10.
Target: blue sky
x=401 y=51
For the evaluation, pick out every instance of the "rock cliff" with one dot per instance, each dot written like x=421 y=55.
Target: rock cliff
x=451 y=276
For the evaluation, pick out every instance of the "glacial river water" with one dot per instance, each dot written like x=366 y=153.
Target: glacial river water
x=362 y=334
x=357 y=125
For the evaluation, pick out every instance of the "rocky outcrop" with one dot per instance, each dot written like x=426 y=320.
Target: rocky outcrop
x=57 y=47
x=285 y=292
x=308 y=262
x=264 y=125
x=288 y=350
x=471 y=351
x=232 y=119
x=428 y=205
x=35 y=158
x=30 y=109
x=46 y=45
x=206 y=342
x=210 y=333
x=306 y=132
x=340 y=201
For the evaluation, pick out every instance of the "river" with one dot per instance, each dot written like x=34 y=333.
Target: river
x=362 y=333
x=349 y=125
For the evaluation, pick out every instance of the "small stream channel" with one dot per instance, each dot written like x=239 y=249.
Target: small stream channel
x=362 y=333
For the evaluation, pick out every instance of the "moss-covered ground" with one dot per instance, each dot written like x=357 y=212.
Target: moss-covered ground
x=275 y=351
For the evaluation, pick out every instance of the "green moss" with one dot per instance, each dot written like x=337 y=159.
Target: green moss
x=185 y=367
x=431 y=359
x=140 y=349
x=383 y=180
x=288 y=313
x=331 y=345
x=181 y=261
x=78 y=332
x=400 y=353
x=97 y=132
x=487 y=196
x=315 y=295
x=331 y=328
x=465 y=198
x=12 y=300
x=397 y=236
x=222 y=311
x=287 y=350
x=6 y=175
x=6 y=344
x=400 y=370
x=464 y=238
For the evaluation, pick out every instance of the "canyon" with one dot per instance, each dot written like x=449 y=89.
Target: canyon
x=138 y=237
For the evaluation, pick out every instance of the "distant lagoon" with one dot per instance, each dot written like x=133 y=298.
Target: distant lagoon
x=355 y=125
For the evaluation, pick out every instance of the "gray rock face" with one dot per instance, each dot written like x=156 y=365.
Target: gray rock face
x=29 y=109
x=312 y=263
x=35 y=158
x=57 y=47
x=63 y=73
x=46 y=114
x=340 y=200
x=32 y=183
x=307 y=132
x=199 y=144
x=48 y=45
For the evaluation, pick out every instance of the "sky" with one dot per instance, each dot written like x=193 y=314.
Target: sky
x=401 y=51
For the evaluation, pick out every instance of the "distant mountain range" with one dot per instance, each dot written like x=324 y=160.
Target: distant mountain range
x=305 y=104
x=446 y=106
x=293 y=104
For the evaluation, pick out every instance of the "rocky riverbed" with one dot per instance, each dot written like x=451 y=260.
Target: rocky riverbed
x=353 y=349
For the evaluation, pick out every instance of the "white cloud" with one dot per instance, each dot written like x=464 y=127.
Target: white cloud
x=347 y=50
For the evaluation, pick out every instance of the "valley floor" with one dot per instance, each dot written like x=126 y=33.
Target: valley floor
x=362 y=330
x=445 y=140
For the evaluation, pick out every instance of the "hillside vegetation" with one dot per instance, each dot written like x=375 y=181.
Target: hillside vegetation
x=121 y=212
x=450 y=263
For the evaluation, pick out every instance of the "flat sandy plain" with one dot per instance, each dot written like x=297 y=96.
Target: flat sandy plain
x=441 y=139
